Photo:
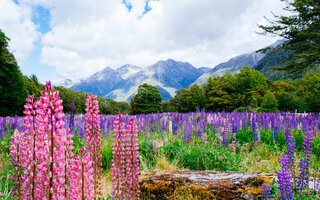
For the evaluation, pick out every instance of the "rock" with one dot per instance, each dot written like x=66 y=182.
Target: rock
x=185 y=184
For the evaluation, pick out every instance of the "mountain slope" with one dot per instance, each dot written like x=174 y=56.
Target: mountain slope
x=233 y=66
x=99 y=83
x=122 y=83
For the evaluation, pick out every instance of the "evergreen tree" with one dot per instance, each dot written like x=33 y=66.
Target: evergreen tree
x=302 y=33
x=148 y=100
x=13 y=93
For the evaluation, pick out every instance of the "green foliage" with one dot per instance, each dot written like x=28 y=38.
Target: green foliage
x=187 y=100
x=106 y=152
x=202 y=157
x=221 y=93
x=32 y=87
x=302 y=30
x=148 y=100
x=269 y=103
x=251 y=86
x=246 y=91
x=12 y=90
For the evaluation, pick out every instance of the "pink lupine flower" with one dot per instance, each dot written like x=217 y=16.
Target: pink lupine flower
x=29 y=150
x=86 y=175
x=15 y=162
x=118 y=159
x=93 y=134
x=132 y=162
x=51 y=147
x=125 y=161
x=68 y=160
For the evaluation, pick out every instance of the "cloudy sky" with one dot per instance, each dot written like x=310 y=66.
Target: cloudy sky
x=58 y=39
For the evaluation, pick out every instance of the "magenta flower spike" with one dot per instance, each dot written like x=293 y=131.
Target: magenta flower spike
x=16 y=162
x=93 y=134
x=68 y=162
x=86 y=175
x=132 y=161
x=52 y=146
x=125 y=161
x=118 y=159
x=30 y=150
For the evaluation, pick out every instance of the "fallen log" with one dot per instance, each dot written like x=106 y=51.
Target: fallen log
x=186 y=184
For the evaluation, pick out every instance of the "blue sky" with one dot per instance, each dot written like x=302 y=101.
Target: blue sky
x=41 y=18
x=73 y=39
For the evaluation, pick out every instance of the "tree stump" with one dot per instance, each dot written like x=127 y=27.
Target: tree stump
x=186 y=184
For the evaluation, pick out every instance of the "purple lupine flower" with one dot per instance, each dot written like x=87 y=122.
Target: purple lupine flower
x=152 y=146
x=266 y=192
x=258 y=133
x=72 y=116
x=284 y=179
x=254 y=130
x=303 y=179
x=150 y=132
x=291 y=145
x=155 y=128
x=146 y=141
x=225 y=136
x=243 y=122
x=318 y=183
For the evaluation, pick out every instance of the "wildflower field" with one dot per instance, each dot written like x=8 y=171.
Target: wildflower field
x=49 y=155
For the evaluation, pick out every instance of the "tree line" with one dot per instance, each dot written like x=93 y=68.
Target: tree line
x=249 y=90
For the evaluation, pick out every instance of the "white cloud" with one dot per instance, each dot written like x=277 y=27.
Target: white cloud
x=15 y=22
x=88 y=35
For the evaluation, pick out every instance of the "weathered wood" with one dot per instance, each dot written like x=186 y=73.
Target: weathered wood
x=185 y=184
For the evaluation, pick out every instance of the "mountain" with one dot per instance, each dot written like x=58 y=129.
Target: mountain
x=99 y=83
x=276 y=59
x=168 y=76
x=122 y=83
x=233 y=66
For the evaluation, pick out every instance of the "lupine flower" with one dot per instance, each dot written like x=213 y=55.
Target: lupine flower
x=285 y=186
x=254 y=129
x=290 y=142
x=68 y=160
x=86 y=175
x=225 y=135
x=132 y=162
x=30 y=150
x=93 y=134
x=234 y=141
x=318 y=183
x=72 y=111
x=15 y=162
x=146 y=141
x=118 y=159
x=259 y=133
x=266 y=192
x=303 y=179
x=153 y=147
x=48 y=180
x=52 y=108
